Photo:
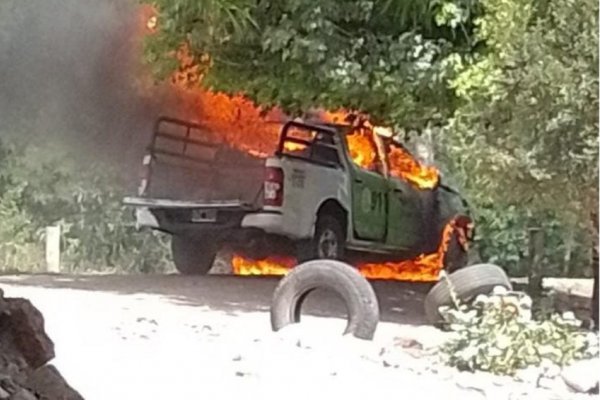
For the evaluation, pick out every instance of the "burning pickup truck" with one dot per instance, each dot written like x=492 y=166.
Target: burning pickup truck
x=337 y=191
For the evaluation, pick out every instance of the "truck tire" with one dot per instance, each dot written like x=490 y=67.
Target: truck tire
x=328 y=242
x=468 y=282
x=356 y=292
x=192 y=256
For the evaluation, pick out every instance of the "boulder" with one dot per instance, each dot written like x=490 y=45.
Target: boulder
x=48 y=384
x=25 y=349
x=26 y=326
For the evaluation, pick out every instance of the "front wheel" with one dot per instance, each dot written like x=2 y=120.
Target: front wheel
x=328 y=242
x=192 y=256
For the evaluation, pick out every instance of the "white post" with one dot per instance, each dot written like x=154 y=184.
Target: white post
x=53 y=249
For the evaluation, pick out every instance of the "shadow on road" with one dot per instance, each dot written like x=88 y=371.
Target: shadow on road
x=399 y=302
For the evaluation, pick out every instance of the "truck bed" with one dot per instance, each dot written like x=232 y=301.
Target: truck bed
x=187 y=166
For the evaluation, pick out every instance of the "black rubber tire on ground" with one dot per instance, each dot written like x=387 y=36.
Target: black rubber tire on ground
x=456 y=257
x=328 y=229
x=192 y=256
x=468 y=282
x=356 y=292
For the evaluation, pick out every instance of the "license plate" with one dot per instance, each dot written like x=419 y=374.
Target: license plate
x=204 y=215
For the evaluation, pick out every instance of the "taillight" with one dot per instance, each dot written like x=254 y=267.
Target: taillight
x=273 y=189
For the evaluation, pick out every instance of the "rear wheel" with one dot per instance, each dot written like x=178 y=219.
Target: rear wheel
x=192 y=256
x=328 y=242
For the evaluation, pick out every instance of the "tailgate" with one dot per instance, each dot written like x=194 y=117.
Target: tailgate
x=187 y=164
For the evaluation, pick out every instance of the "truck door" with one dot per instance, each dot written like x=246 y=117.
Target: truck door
x=405 y=221
x=369 y=204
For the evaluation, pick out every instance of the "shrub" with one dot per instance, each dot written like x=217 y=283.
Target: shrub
x=496 y=333
x=98 y=232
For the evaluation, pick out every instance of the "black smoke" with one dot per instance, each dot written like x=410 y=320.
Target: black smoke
x=68 y=74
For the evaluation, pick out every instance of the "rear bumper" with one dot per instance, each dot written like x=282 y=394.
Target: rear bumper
x=269 y=222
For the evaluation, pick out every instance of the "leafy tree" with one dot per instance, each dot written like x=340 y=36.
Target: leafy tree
x=379 y=57
x=528 y=111
x=530 y=106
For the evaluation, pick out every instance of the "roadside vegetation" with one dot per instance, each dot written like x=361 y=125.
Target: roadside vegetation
x=502 y=334
x=98 y=233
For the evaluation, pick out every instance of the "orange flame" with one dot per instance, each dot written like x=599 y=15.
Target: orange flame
x=362 y=149
x=425 y=268
x=268 y=266
x=403 y=165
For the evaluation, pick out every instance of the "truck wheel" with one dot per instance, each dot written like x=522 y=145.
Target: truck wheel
x=468 y=283
x=456 y=257
x=192 y=256
x=346 y=281
x=328 y=243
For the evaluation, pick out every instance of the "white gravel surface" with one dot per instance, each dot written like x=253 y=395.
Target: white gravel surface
x=115 y=345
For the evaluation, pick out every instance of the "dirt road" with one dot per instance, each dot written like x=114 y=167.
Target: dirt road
x=174 y=337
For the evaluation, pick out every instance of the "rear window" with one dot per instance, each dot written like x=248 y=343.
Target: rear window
x=311 y=145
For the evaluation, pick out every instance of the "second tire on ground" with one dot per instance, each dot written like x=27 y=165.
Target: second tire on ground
x=467 y=282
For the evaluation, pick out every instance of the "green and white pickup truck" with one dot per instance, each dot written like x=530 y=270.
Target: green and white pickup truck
x=310 y=203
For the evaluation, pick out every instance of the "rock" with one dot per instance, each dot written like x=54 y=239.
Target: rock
x=26 y=325
x=25 y=348
x=582 y=376
x=11 y=362
x=23 y=394
x=7 y=384
x=48 y=384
